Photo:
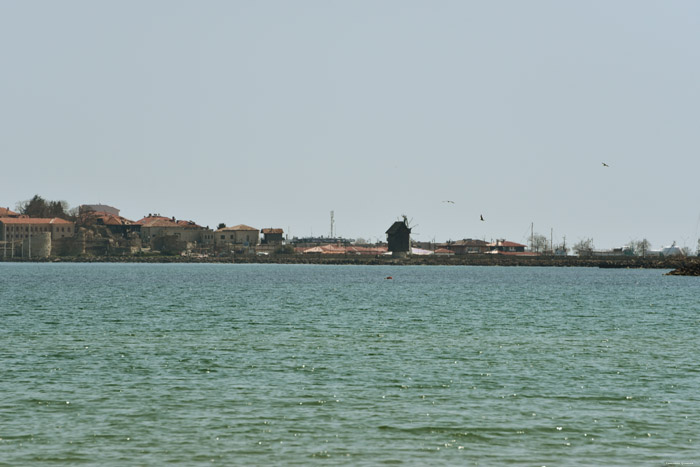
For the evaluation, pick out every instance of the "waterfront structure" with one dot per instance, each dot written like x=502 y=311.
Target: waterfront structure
x=467 y=246
x=240 y=234
x=444 y=252
x=671 y=250
x=504 y=247
x=153 y=227
x=272 y=236
x=20 y=228
x=32 y=236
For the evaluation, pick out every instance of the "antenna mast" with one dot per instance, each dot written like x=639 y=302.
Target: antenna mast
x=332 y=224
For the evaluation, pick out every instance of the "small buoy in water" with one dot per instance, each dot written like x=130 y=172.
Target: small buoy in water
x=389 y=277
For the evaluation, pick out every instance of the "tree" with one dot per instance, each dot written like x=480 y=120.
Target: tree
x=640 y=247
x=584 y=247
x=221 y=226
x=538 y=243
x=39 y=207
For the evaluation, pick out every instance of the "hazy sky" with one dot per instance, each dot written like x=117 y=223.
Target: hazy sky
x=274 y=113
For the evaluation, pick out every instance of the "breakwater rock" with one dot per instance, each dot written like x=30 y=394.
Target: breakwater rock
x=690 y=269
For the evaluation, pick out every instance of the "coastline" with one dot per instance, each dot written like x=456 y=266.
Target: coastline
x=673 y=263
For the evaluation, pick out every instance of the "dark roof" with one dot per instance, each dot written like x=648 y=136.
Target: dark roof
x=397 y=227
x=506 y=243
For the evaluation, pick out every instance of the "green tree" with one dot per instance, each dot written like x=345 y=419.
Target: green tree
x=39 y=207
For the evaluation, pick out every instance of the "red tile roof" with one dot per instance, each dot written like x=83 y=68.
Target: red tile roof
x=237 y=227
x=272 y=231
x=105 y=217
x=5 y=212
x=152 y=218
x=34 y=221
x=162 y=221
x=158 y=222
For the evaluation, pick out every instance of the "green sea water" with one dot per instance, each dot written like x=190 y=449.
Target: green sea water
x=141 y=364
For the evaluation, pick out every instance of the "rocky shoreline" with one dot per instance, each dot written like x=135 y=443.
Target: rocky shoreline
x=692 y=269
x=678 y=265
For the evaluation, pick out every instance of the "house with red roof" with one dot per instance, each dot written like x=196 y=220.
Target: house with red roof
x=241 y=234
x=272 y=236
x=154 y=226
x=5 y=212
x=20 y=228
x=444 y=252
x=116 y=224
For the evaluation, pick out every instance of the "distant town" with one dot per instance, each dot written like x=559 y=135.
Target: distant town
x=41 y=229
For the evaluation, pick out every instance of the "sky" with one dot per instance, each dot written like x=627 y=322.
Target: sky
x=275 y=113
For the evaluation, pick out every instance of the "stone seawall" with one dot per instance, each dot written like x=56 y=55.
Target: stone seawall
x=468 y=260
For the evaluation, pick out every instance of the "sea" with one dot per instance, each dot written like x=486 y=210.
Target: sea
x=252 y=364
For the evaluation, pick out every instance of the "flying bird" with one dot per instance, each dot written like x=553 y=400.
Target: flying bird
x=449 y=201
x=605 y=165
x=481 y=217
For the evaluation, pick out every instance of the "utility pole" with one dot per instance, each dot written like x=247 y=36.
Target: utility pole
x=332 y=224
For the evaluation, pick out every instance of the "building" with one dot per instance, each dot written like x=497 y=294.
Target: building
x=153 y=227
x=504 y=247
x=240 y=234
x=272 y=236
x=5 y=212
x=467 y=246
x=115 y=224
x=444 y=252
x=671 y=250
x=399 y=237
x=83 y=208
x=14 y=229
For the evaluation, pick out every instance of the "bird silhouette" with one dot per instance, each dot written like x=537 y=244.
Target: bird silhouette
x=481 y=217
x=449 y=201
x=605 y=165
